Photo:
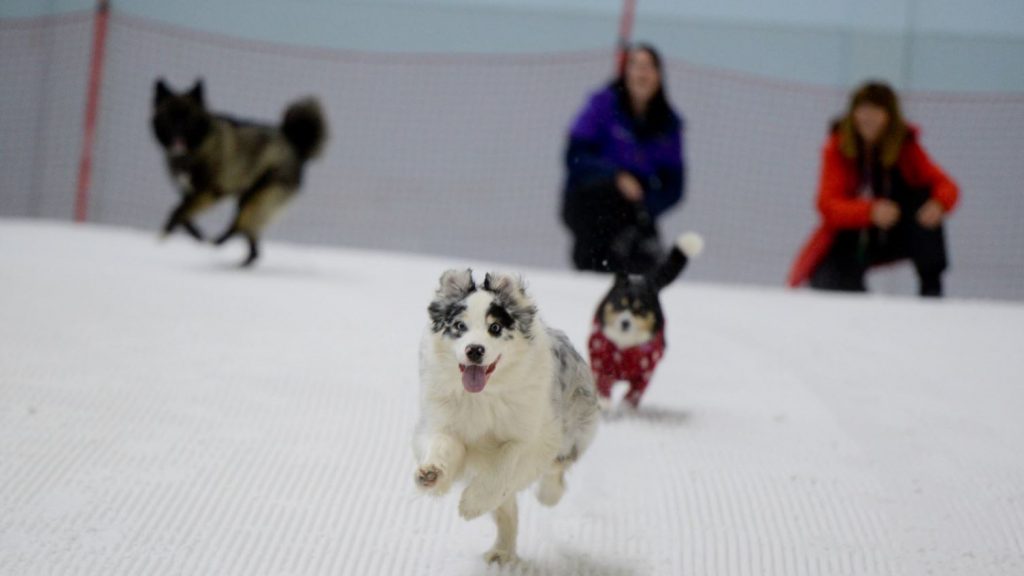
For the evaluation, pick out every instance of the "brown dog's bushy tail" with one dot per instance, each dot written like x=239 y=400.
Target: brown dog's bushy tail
x=305 y=127
x=687 y=246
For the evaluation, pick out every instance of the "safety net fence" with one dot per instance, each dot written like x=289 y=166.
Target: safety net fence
x=462 y=154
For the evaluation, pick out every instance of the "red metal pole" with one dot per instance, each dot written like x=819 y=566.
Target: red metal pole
x=92 y=104
x=625 y=31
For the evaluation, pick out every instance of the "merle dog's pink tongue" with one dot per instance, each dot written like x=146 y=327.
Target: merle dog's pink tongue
x=474 y=377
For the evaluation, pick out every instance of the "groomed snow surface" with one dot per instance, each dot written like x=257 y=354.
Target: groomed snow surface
x=163 y=412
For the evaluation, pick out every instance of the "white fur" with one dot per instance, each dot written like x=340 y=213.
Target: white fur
x=690 y=243
x=625 y=337
x=499 y=440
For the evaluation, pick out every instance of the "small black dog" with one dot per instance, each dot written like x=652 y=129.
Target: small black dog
x=212 y=156
x=628 y=336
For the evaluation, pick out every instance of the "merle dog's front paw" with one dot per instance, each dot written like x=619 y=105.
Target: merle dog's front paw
x=426 y=477
x=432 y=479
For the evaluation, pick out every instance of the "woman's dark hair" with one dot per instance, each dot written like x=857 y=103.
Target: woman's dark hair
x=660 y=116
x=878 y=94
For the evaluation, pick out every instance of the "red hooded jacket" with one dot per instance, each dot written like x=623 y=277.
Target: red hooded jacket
x=841 y=208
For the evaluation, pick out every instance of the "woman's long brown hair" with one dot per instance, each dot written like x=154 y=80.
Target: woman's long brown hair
x=889 y=145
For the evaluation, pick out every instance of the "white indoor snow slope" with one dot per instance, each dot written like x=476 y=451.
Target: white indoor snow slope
x=163 y=412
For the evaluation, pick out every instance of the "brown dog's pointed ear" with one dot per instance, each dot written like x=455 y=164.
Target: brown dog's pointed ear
x=161 y=92
x=196 y=93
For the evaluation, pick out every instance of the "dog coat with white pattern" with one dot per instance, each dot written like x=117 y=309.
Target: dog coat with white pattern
x=635 y=364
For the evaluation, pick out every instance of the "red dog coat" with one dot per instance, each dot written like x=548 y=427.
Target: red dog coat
x=635 y=364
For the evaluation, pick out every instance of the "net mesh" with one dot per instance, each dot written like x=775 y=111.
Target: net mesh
x=44 y=64
x=461 y=155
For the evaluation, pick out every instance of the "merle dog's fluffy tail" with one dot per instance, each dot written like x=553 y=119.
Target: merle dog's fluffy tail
x=305 y=128
x=687 y=246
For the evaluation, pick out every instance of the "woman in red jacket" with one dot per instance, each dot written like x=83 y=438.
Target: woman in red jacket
x=881 y=199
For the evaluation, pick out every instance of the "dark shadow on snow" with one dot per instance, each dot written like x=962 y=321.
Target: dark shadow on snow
x=654 y=414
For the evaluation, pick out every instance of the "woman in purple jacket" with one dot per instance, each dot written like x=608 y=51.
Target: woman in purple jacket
x=625 y=168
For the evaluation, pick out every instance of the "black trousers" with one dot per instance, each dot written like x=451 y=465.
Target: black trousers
x=611 y=234
x=854 y=251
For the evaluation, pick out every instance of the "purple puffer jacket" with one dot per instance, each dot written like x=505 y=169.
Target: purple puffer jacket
x=605 y=140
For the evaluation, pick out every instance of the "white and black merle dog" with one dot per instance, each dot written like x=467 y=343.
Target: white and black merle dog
x=506 y=401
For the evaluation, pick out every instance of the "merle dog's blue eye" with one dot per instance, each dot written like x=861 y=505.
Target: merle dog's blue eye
x=494 y=329
x=460 y=326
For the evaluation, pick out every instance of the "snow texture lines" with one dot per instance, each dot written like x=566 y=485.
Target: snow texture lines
x=162 y=412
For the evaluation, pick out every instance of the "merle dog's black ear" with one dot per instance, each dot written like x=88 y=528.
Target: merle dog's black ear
x=196 y=93
x=621 y=279
x=505 y=284
x=161 y=92
x=455 y=284
x=510 y=293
